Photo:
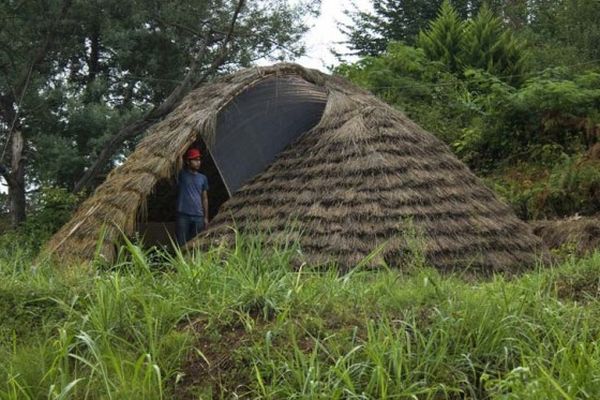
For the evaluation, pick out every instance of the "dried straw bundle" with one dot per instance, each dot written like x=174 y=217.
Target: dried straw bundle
x=583 y=233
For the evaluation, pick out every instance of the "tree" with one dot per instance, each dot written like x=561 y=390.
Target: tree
x=28 y=38
x=391 y=20
x=443 y=41
x=490 y=46
x=480 y=43
x=565 y=30
x=85 y=79
x=401 y=21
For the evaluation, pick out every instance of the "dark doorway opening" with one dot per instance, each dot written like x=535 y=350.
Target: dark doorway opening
x=156 y=226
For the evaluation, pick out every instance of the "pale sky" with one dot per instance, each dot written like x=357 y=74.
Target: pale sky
x=325 y=33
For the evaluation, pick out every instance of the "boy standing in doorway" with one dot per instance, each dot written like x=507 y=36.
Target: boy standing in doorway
x=192 y=199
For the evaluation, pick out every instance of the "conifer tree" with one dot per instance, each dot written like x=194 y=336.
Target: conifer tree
x=490 y=46
x=391 y=20
x=370 y=32
x=443 y=41
x=481 y=43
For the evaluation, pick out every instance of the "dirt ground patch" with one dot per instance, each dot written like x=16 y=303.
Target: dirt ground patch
x=214 y=365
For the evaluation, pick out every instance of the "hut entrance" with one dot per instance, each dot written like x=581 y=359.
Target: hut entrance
x=157 y=224
x=251 y=131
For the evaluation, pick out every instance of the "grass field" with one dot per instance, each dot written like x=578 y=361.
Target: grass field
x=241 y=323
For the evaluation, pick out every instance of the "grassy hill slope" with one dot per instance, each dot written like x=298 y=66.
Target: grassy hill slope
x=241 y=323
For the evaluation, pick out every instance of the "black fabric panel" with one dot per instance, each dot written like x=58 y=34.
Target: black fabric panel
x=259 y=123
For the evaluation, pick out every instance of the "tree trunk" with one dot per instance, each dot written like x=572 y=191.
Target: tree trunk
x=94 y=59
x=16 y=182
x=11 y=102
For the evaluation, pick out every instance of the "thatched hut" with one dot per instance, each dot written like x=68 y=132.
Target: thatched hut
x=288 y=144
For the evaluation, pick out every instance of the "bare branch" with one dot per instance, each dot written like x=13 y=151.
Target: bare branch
x=222 y=54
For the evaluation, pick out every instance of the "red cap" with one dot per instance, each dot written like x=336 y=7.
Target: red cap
x=192 y=153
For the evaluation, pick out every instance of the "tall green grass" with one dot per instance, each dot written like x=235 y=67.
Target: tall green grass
x=242 y=322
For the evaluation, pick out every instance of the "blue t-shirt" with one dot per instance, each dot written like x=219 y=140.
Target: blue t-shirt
x=189 y=192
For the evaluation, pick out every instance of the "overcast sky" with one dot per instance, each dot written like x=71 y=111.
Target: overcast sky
x=325 y=33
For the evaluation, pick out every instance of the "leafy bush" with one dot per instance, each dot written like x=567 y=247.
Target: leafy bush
x=50 y=209
x=469 y=83
x=571 y=186
x=53 y=208
x=423 y=89
x=554 y=110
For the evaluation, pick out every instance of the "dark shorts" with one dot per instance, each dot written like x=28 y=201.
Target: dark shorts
x=187 y=226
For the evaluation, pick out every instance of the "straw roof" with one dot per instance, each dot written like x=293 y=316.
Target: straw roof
x=365 y=177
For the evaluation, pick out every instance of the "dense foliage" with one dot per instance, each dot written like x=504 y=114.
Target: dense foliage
x=369 y=33
x=512 y=87
x=473 y=83
x=562 y=30
x=80 y=81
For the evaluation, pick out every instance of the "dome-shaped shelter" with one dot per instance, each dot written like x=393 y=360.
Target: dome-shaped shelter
x=287 y=144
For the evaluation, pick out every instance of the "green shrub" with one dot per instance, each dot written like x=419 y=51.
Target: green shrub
x=570 y=187
x=50 y=209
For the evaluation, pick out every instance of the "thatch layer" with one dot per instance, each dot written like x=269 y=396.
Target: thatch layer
x=582 y=233
x=364 y=177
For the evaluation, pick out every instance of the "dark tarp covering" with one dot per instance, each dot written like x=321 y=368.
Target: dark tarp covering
x=259 y=123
